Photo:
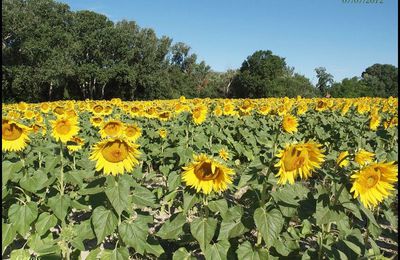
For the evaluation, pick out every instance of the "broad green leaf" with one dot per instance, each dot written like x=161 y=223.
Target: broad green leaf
x=35 y=182
x=104 y=222
x=44 y=222
x=60 y=204
x=369 y=215
x=20 y=254
x=93 y=254
x=218 y=250
x=230 y=229
x=143 y=197
x=281 y=247
x=118 y=194
x=8 y=169
x=43 y=246
x=269 y=223
x=22 y=216
x=75 y=178
x=174 y=180
x=120 y=253
x=7 y=235
x=189 y=200
x=220 y=206
x=172 y=229
x=182 y=254
x=134 y=234
x=246 y=251
x=203 y=230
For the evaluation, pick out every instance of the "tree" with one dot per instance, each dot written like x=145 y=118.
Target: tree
x=382 y=80
x=256 y=74
x=352 y=87
x=325 y=80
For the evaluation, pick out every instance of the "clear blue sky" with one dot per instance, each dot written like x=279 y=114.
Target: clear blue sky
x=344 y=38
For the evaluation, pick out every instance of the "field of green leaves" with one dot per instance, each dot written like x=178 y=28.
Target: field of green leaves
x=273 y=178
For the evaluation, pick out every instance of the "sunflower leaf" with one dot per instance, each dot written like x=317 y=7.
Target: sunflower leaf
x=44 y=222
x=104 y=222
x=60 y=204
x=203 y=230
x=7 y=235
x=22 y=216
x=218 y=250
x=182 y=254
x=117 y=193
x=172 y=228
x=269 y=223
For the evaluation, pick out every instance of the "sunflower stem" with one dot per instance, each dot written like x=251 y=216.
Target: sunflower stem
x=205 y=206
x=61 y=170
x=74 y=161
x=337 y=194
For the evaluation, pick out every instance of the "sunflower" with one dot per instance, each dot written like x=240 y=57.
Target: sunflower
x=64 y=128
x=35 y=128
x=97 y=110
x=374 y=183
x=115 y=156
x=229 y=109
x=364 y=157
x=223 y=154
x=199 y=114
x=298 y=159
x=29 y=114
x=289 y=124
x=14 y=136
x=342 y=159
x=207 y=175
x=132 y=132
x=374 y=122
x=246 y=107
x=163 y=133
x=111 y=128
x=264 y=110
x=164 y=115
x=75 y=144
x=218 y=111
x=302 y=109
x=96 y=121
x=321 y=106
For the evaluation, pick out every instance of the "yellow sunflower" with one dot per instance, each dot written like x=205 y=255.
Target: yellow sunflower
x=132 y=132
x=164 y=115
x=229 y=109
x=115 y=156
x=75 y=144
x=35 y=128
x=321 y=105
x=374 y=182
x=199 y=114
x=223 y=154
x=218 y=111
x=111 y=128
x=289 y=124
x=207 y=175
x=163 y=133
x=374 y=122
x=363 y=157
x=264 y=109
x=14 y=136
x=298 y=159
x=246 y=107
x=342 y=160
x=96 y=121
x=64 y=128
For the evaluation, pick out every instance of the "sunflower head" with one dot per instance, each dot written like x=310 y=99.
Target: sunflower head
x=112 y=128
x=223 y=154
x=374 y=122
x=199 y=114
x=342 y=160
x=374 y=183
x=363 y=157
x=132 y=132
x=206 y=175
x=115 y=156
x=298 y=160
x=163 y=133
x=75 y=144
x=165 y=115
x=14 y=136
x=289 y=123
x=64 y=128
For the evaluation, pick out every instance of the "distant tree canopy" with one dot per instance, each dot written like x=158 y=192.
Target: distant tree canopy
x=266 y=75
x=50 y=53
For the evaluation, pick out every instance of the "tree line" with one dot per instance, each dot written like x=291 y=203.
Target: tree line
x=50 y=53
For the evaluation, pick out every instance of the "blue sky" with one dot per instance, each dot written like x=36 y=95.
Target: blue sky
x=345 y=38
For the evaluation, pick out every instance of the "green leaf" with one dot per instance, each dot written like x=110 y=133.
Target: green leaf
x=44 y=222
x=104 y=222
x=245 y=251
x=203 y=230
x=60 y=204
x=269 y=223
x=134 y=234
x=93 y=254
x=75 y=178
x=369 y=215
x=35 y=182
x=22 y=216
x=120 y=253
x=189 y=200
x=281 y=247
x=219 y=205
x=7 y=235
x=174 y=180
x=182 y=254
x=20 y=254
x=230 y=229
x=143 y=197
x=8 y=169
x=117 y=193
x=218 y=250
x=306 y=229
x=172 y=229
x=43 y=246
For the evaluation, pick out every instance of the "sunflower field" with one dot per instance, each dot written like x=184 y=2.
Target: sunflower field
x=274 y=178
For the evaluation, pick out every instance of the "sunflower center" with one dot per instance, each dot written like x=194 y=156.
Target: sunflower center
x=98 y=109
x=130 y=131
x=11 y=132
x=115 y=152
x=294 y=160
x=63 y=127
x=373 y=178
x=204 y=172
x=112 y=129
x=197 y=113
